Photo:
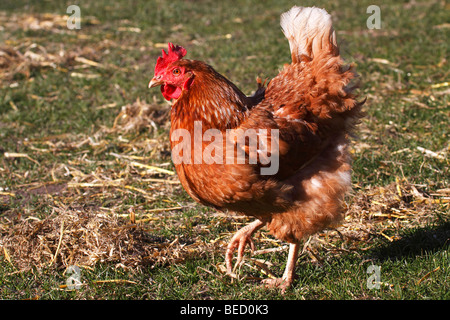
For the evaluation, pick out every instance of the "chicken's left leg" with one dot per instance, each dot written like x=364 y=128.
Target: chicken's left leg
x=239 y=240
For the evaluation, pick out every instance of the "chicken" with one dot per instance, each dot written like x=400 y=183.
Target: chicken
x=281 y=155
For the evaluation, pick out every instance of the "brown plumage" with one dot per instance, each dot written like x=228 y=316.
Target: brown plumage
x=308 y=111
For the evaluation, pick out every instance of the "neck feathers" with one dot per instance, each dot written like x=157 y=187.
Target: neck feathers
x=211 y=99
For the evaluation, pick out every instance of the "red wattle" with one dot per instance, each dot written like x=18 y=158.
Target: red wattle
x=170 y=92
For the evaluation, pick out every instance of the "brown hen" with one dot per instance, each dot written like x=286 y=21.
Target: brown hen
x=280 y=155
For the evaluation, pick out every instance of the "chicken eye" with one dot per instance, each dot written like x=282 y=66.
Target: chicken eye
x=176 y=72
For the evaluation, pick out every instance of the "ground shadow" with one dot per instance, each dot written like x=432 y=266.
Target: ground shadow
x=415 y=242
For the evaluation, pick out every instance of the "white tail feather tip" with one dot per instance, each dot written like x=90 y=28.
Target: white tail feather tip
x=302 y=26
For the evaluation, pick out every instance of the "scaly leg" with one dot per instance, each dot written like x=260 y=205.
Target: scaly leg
x=239 y=240
x=288 y=276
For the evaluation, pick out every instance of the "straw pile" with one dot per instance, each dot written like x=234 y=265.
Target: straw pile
x=84 y=237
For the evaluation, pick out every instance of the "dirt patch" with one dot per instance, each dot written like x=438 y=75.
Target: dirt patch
x=53 y=188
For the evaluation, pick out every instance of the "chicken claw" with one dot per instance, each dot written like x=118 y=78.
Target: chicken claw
x=279 y=283
x=239 y=240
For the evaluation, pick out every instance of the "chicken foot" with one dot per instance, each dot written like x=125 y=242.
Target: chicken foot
x=239 y=240
x=288 y=276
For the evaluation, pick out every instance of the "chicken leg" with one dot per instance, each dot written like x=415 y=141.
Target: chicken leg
x=239 y=240
x=288 y=276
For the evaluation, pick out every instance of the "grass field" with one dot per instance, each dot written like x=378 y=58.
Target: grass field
x=86 y=177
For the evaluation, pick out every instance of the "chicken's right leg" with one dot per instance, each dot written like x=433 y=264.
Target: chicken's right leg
x=288 y=276
x=239 y=240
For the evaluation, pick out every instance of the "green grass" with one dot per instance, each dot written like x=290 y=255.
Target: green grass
x=64 y=125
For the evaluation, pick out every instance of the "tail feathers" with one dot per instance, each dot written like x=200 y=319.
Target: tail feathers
x=309 y=31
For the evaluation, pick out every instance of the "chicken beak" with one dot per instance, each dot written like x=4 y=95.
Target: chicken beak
x=156 y=81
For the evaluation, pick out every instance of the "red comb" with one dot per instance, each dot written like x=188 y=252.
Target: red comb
x=174 y=53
